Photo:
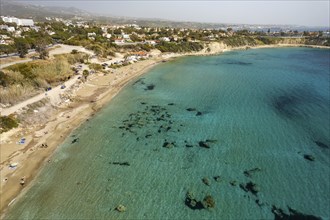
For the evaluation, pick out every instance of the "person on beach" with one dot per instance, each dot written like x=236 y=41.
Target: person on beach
x=22 y=181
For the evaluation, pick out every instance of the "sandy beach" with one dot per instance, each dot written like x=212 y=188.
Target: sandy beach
x=87 y=98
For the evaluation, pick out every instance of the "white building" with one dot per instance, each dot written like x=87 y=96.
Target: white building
x=19 y=22
x=25 y=22
x=7 y=28
x=125 y=36
x=150 y=42
x=93 y=34
x=106 y=35
x=119 y=41
x=165 y=39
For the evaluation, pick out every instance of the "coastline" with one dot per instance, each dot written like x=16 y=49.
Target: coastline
x=93 y=95
x=32 y=158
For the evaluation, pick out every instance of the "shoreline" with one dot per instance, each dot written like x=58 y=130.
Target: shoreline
x=93 y=97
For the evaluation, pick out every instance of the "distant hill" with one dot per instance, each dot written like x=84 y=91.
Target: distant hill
x=38 y=13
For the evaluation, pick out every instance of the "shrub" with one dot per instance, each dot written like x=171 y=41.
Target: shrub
x=7 y=123
x=95 y=66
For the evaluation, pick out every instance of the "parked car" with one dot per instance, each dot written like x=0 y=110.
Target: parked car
x=63 y=86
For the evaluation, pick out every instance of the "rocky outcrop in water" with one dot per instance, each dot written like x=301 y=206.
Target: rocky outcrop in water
x=250 y=187
x=121 y=208
x=279 y=214
x=192 y=203
x=207 y=203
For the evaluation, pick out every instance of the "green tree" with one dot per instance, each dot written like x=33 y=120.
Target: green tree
x=41 y=48
x=117 y=31
x=4 y=79
x=85 y=73
x=22 y=46
x=135 y=38
x=74 y=51
x=6 y=49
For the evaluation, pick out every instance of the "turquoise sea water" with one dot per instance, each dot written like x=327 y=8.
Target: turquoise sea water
x=263 y=111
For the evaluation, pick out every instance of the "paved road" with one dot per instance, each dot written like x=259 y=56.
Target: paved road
x=54 y=94
x=15 y=62
x=60 y=50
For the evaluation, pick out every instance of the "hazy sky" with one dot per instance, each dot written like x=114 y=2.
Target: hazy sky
x=308 y=13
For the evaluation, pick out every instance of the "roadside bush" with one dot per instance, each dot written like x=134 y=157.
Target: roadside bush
x=95 y=66
x=7 y=123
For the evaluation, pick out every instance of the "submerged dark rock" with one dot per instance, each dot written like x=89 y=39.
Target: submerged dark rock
x=150 y=87
x=74 y=140
x=217 y=178
x=194 y=204
x=206 y=181
x=309 y=157
x=169 y=144
x=238 y=63
x=279 y=214
x=285 y=105
x=208 y=202
x=121 y=163
x=198 y=113
x=139 y=81
x=203 y=144
x=322 y=145
x=148 y=135
x=260 y=204
x=249 y=173
x=250 y=187
x=233 y=183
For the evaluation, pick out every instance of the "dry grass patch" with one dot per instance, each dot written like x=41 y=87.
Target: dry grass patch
x=23 y=80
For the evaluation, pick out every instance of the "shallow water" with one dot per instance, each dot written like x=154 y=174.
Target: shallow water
x=263 y=109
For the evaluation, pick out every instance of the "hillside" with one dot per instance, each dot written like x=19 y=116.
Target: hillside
x=38 y=13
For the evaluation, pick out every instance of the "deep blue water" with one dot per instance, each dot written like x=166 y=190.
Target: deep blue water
x=249 y=128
